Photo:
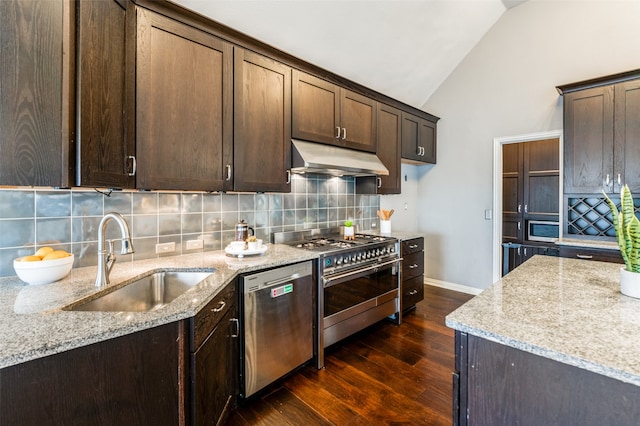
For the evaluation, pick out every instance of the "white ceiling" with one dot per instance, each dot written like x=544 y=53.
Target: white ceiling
x=402 y=48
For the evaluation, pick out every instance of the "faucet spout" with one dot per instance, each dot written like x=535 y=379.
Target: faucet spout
x=106 y=258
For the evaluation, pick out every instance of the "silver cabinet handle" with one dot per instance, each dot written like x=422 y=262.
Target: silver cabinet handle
x=344 y=133
x=526 y=208
x=237 y=325
x=228 y=172
x=379 y=182
x=220 y=307
x=584 y=256
x=134 y=165
x=412 y=292
x=518 y=248
x=414 y=266
x=619 y=179
x=338 y=136
x=525 y=252
x=413 y=246
x=519 y=227
x=519 y=208
x=288 y=177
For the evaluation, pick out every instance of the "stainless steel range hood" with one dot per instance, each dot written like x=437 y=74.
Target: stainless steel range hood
x=309 y=157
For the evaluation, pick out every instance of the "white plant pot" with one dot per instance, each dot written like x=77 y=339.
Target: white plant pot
x=348 y=231
x=629 y=283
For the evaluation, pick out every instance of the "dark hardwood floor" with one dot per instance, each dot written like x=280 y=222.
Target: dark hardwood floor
x=384 y=375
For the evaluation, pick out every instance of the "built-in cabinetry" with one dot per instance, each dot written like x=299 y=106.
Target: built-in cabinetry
x=137 y=379
x=105 y=82
x=214 y=359
x=183 y=372
x=590 y=253
x=36 y=92
x=530 y=192
x=389 y=134
x=262 y=123
x=184 y=106
x=495 y=384
x=326 y=113
x=515 y=254
x=601 y=150
x=418 y=139
x=601 y=131
x=412 y=252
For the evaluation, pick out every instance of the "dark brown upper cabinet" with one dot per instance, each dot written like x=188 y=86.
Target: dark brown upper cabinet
x=418 y=139
x=184 y=106
x=389 y=133
x=601 y=130
x=326 y=113
x=36 y=92
x=262 y=123
x=105 y=148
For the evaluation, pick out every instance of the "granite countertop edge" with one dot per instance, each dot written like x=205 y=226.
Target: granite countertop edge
x=35 y=324
x=582 y=320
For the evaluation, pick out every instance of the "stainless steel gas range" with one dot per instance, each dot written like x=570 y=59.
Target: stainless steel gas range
x=358 y=281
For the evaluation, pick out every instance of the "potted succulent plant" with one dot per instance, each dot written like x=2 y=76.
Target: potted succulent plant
x=627 y=227
x=349 y=232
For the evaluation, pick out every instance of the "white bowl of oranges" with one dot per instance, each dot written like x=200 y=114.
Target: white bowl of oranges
x=43 y=267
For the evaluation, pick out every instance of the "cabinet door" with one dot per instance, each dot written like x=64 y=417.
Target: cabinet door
x=411 y=137
x=316 y=109
x=627 y=135
x=428 y=141
x=588 y=140
x=262 y=123
x=541 y=176
x=36 y=96
x=105 y=147
x=389 y=132
x=357 y=121
x=214 y=373
x=184 y=111
x=512 y=182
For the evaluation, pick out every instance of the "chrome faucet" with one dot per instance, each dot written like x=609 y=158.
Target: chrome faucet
x=106 y=258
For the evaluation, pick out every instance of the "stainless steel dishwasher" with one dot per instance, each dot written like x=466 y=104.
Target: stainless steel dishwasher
x=277 y=324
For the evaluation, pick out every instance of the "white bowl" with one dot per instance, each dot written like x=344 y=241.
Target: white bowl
x=44 y=271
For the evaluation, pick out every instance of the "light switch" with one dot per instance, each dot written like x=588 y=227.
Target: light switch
x=487 y=214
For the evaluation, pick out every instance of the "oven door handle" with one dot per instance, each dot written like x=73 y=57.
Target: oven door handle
x=375 y=267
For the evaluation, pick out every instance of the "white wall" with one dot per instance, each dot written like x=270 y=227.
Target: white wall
x=405 y=216
x=506 y=87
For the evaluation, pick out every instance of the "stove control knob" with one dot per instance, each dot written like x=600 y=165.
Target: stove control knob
x=369 y=254
x=359 y=257
x=392 y=249
x=378 y=252
x=346 y=259
x=339 y=261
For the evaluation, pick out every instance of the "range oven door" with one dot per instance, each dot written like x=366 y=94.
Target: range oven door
x=351 y=301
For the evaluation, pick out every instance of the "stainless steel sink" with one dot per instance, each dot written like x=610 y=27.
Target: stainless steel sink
x=145 y=294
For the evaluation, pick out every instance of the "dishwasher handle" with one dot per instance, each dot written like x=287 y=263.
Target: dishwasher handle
x=275 y=277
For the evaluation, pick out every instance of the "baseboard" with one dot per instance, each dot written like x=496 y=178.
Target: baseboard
x=452 y=286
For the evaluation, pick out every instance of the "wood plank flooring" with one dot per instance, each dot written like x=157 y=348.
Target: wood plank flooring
x=384 y=375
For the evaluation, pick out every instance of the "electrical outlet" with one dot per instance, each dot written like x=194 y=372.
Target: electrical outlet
x=165 y=248
x=488 y=214
x=195 y=244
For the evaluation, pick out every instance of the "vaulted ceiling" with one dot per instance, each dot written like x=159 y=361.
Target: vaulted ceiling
x=402 y=48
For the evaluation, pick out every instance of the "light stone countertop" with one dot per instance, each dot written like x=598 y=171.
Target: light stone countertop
x=595 y=244
x=567 y=310
x=33 y=324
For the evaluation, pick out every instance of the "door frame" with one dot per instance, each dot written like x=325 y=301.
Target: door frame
x=497 y=188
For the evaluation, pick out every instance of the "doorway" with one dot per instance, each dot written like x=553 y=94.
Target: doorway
x=505 y=217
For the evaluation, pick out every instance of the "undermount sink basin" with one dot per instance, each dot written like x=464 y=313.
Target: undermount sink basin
x=145 y=294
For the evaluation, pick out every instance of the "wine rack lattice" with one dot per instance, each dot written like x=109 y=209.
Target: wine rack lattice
x=592 y=216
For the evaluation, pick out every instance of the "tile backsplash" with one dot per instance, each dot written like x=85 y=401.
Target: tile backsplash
x=69 y=219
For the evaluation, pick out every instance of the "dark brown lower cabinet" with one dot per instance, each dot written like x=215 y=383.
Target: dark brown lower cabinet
x=412 y=252
x=603 y=255
x=496 y=384
x=137 y=379
x=214 y=359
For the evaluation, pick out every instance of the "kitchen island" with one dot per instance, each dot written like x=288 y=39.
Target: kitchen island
x=552 y=342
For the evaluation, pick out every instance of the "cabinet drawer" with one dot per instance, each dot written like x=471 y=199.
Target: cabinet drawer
x=204 y=321
x=602 y=255
x=412 y=265
x=412 y=291
x=412 y=246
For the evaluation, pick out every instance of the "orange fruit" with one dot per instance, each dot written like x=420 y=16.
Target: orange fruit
x=56 y=254
x=43 y=251
x=29 y=259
